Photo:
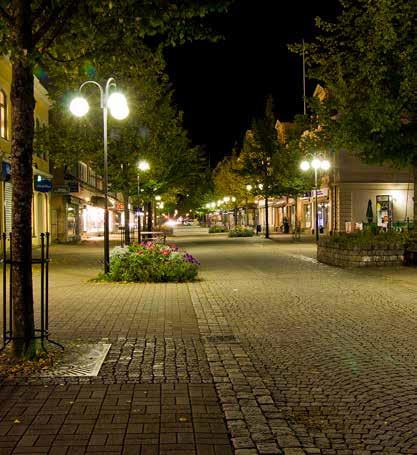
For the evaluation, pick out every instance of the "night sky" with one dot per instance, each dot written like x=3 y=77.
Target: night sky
x=221 y=86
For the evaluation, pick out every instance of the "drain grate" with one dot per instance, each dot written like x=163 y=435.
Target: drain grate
x=79 y=360
x=221 y=339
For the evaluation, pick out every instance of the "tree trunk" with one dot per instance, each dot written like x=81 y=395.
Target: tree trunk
x=23 y=104
x=150 y=215
x=415 y=195
x=266 y=218
x=127 y=216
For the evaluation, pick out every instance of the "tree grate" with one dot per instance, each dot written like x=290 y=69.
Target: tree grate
x=79 y=360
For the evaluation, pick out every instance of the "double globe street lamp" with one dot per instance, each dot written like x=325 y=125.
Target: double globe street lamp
x=316 y=164
x=117 y=104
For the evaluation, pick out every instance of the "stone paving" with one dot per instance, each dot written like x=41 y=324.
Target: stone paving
x=269 y=353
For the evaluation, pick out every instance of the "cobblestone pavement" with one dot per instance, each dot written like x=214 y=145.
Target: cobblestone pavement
x=269 y=353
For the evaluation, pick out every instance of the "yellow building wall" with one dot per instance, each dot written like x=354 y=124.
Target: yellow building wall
x=41 y=208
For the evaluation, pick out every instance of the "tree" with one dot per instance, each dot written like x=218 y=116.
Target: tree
x=366 y=60
x=271 y=165
x=42 y=32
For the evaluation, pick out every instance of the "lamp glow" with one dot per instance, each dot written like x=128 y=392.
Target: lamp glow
x=79 y=106
x=226 y=199
x=325 y=165
x=233 y=199
x=143 y=165
x=118 y=106
x=315 y=164
x=305 y=165
x=248 y=187
x=157 y=198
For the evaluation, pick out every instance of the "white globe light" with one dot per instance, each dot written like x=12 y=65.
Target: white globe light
x=118 y=105
x=226 y=199
x=315 y=164
x=79 y=106
x=305 y=165
x=157 y=198
x=249 y=187
x=120 y=112
x=116 y=100
x=325 y=165
x=233 y=199
x=207 y=205
x=213 y=205
x=143 y=165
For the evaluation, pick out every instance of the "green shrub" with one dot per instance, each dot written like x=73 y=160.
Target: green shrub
x=367 y=239
x=241 y=231
x=150 y=262
x=216 y=229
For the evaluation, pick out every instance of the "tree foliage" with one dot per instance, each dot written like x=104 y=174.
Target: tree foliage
x=366 y=61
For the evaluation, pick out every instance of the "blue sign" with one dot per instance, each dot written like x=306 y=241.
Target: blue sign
x=5 y=171
x=43 y=185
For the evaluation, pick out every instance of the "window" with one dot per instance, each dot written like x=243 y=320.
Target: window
x=3 y=114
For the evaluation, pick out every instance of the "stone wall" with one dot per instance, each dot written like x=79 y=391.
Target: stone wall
x=358 y=256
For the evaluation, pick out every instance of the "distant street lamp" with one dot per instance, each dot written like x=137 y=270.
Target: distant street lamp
x=316 y=164
x=117 y=104
x=143 y=166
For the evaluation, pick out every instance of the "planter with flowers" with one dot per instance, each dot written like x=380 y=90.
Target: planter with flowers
x=151 y=262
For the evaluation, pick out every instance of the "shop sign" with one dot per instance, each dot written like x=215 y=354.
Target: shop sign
x=119 y=206
x=61 y=189
x=43 y=185
x=321 y=192
x=6 y=170
x=74 y=186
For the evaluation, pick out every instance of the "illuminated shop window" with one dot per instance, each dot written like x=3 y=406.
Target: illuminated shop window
x=3 y=115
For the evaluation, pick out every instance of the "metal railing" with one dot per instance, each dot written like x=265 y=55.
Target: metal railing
x=43 y=260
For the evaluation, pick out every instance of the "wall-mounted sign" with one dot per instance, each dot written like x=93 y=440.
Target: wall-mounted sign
x=42 y=185
x=5 y=171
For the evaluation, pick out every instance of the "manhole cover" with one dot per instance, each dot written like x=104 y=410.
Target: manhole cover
x=79 y=360
x=221 y=339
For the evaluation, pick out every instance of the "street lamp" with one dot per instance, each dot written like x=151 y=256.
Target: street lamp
x=117 y=104
x=316 y=164
x=143 y=166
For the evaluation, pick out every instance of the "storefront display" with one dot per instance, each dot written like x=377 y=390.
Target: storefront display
x=384 y=211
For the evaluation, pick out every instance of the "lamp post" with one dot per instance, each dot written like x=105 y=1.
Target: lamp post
x=117 y=104
x=316 y=164
x=142 y=166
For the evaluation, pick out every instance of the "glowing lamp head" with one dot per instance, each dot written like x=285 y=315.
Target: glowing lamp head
x=143 y=165
x=219 y=202
x=325 y=165
x=248 y=187
x=79 y=106
x=233 y=199
x=305 y=166
x=226 y=199
x=118 y=106
x=213 y=205
x=157 y=198
x=315 y=164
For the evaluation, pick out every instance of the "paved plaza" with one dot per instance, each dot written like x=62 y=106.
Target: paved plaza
x=269 y=352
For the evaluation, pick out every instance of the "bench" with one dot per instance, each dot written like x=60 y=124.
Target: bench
x=153 y=236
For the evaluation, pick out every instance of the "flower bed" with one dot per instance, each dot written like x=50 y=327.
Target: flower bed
x=152 y=262
x=241 y=231
x=216 y=229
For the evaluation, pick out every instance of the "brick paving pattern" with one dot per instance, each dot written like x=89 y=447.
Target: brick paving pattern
x=270 y=353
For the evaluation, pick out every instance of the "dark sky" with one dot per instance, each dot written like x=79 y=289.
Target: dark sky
x=221 y=86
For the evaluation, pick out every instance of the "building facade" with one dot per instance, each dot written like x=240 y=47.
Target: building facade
x=41 y=220
x=78 y=205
